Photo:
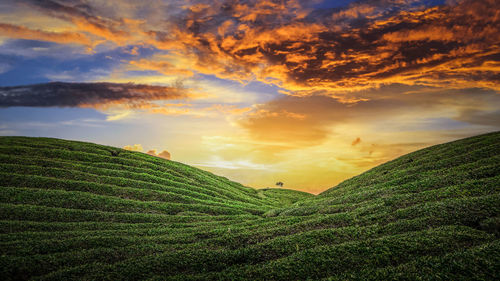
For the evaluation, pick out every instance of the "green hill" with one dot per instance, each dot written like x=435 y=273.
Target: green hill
x=74 y=210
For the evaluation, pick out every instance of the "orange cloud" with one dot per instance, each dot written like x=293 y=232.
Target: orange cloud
x=135 y=147
x=418 y=47
x=355 y=11
x=228 y=109
x=164 y=154
x=163 y=67
x=310 y=121
x=138 y=147
x=302 y=50
x=114 y=35
x=20 y=32
x=276 y=122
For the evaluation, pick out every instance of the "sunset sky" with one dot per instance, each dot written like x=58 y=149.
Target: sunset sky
x=309 y=93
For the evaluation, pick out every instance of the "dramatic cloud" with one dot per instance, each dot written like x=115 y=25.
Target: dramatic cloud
x=95 y=95
x=448 y=46
x=289 y=43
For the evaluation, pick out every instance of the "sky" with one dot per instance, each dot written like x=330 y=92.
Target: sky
x=309 y=93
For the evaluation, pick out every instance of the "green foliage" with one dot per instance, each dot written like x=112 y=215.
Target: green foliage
x=74 y=210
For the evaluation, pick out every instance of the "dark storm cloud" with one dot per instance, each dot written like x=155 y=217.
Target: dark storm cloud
x=95 y=95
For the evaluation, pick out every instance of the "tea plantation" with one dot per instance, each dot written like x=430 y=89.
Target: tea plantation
x=80 y=211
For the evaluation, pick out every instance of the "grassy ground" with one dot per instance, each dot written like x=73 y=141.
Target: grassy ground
x=74 y=210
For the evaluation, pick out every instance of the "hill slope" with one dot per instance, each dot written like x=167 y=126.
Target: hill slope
x=73 y=210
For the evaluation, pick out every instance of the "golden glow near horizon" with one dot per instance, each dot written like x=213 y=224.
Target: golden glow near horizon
x=258 y=91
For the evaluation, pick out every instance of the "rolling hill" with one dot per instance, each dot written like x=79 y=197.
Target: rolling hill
x=75 y=210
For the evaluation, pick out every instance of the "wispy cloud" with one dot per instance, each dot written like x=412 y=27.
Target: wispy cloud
x=220 y=163
x=21 y=32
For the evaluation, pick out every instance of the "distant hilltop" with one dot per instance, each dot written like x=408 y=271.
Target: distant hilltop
x=74 y=210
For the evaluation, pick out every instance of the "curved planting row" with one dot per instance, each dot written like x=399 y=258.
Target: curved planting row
x=72 y=210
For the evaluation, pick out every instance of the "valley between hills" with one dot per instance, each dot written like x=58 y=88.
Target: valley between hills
x=80 y=211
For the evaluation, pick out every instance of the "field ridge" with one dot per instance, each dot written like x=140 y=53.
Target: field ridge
x=73 y=210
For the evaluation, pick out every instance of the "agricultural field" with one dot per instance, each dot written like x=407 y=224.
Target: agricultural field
x=79 y=211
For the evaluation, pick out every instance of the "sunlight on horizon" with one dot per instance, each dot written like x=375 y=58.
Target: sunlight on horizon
x=301 y=92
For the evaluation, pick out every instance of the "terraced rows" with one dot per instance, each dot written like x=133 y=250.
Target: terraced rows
x=73 y=210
